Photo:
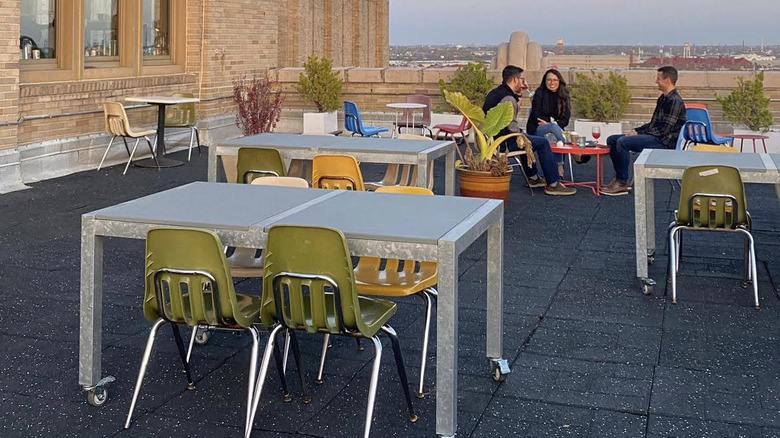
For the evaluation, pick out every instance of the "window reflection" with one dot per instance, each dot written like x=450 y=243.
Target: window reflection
x=101 y=28
x=37 y=38
x=156 y=27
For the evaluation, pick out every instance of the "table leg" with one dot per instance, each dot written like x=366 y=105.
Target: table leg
x=91 y=307
x=741 y=143
x=763 y=142
x=599 y=176
x=211 y=172
x=644 y=212
x=161 y=159
x=422 y=171
x=446 y=341
x=449 y=171
x=495 y=283
x=396 y=128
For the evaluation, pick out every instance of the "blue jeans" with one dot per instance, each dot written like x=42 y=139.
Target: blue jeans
x=621 y=147
x=544 y=156
x=555 y=130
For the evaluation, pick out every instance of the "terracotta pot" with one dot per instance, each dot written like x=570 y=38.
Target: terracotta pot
x=483 y=185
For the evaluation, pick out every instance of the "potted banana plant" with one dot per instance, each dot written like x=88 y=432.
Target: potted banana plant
x=482 y=170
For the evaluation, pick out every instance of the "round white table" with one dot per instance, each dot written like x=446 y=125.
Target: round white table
x=404 y=106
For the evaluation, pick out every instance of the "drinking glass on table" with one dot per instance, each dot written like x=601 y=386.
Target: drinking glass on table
x=596 y=133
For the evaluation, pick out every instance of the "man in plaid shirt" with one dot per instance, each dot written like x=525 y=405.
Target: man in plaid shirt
x=661 y=132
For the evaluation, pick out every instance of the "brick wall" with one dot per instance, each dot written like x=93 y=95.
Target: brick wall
x=9 y=73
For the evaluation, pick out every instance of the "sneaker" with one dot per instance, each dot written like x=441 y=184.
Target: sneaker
x=615 y=188
x=559 y=190
x=536 y=182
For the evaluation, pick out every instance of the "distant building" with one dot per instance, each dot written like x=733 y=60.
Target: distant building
x=589 y=61
x=697 y=63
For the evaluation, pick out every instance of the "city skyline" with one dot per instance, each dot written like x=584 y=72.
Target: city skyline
x=663 y=22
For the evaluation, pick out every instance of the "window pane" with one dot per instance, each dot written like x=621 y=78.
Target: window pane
x=156 y=27
x=101 y=28
x=37 y=38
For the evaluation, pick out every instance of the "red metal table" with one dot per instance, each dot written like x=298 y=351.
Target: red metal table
x=743 y=137
x=597 y=150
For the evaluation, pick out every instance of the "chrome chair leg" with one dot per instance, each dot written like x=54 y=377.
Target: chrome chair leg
x=753 y=267
x=192 y=138
x=286 y=350
x=571 y=169
x=183 y=355
x=673 y=262
x=252 y=373
x=372 y=386
x=399 y=363
x=192 y=342
x=426 y=331
x=142 y=371
x=106 y=152
x=269 y=348
x=325 y=342
x=131 y=155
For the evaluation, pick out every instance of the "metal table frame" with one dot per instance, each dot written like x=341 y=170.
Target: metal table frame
x=670 y=164
x=370 y=150
x=161 y=102
x=133 y=220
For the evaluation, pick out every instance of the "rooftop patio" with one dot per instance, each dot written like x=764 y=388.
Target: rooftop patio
x=590 y=355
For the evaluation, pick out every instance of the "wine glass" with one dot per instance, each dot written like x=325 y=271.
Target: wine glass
x=596 y=133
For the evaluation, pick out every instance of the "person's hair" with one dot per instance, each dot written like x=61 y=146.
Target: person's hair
x=510 y=72
x=562 y=92
x=669 y=72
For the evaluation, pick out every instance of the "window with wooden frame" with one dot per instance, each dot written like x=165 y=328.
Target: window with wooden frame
x=92 y=39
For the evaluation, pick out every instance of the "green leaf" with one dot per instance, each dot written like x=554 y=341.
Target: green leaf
x=497 y=119
x=472 y=112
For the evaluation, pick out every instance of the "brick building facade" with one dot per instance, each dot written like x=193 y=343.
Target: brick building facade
x=51 y=119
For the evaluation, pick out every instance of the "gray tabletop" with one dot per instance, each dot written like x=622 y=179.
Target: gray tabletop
x=672 y=159
x=776 y=160
x=201 y=204
x=325 y=142
x=400 y=218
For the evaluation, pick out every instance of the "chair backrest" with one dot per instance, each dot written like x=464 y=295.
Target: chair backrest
x=188 y=279
x=465 y=125
x=712 y=197
x=181 y=115
x=258 y=162
x=425 y=100
x=408 y=172
x=308 y=282
x=352 y=120
x=692 y=132
x=695 y=105
x=116 y=119
x=409 y=190
x=697 y=114
x=333 y=171
x=283 y=181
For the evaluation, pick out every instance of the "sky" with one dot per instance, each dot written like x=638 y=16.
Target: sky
x=586 y=22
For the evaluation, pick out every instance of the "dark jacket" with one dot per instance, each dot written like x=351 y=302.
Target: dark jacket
x=544 y=106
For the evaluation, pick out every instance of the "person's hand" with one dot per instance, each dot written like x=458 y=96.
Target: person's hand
x=631 y=133
x=541 y=122
x=523 y=85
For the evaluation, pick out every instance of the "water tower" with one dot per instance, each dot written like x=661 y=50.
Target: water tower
x=687 y=50
x=559 y=47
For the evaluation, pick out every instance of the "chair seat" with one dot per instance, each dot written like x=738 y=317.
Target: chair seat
x=371 y=281
x=403 y=124
x=249 y=305
x=243 y=263
x=172 y=124
x=135 y=134
x=373 y=130
x=446 y=127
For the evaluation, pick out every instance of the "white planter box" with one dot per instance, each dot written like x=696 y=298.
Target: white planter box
x=584 y=127
x=320 y=123
x=772 y=143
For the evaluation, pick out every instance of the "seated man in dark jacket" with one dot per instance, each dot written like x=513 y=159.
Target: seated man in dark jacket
x=513 y=83
x=662 y=131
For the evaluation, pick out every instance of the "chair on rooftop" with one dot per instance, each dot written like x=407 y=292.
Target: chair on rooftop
x=310 y=286
x=183 y=115
x=408 y=119
x=697 y=112
x=354 y=123
x=188 y=282
x=118 y=125
x=450 y=130
x=403 y=174
x=397 y=278
x=712 y=198
x=334 y=171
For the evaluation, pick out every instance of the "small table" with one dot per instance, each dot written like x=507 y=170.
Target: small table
x=598 y=150
x=743 y=137
x=161 y=102
x=405 y=106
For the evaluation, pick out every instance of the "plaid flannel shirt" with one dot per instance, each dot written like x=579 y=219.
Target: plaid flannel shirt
x=668 y=119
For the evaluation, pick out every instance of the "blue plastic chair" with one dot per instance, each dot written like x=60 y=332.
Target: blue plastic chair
x=695 y=132
x=354 y=123
x=695 y=113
